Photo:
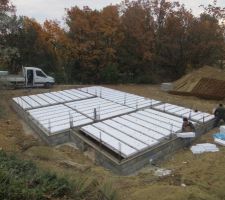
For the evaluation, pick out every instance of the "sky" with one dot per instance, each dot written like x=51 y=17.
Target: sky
x=55 y=9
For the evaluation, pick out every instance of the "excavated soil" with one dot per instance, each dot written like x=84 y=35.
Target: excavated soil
x=188 y=82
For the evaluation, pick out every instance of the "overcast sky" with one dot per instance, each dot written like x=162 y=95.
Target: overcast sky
x=55 y=9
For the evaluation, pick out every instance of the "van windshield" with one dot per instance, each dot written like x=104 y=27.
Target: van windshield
x=40 y=74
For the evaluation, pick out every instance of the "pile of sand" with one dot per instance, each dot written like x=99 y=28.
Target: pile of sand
x=188 y=82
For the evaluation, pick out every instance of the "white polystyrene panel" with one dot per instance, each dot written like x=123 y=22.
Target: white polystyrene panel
x=23 y=104
x=39 y=100
x=109 y=141
x=58 y=118
x=47 y=99
x=146 y=131
x=177 y=109
x=161 y=119
x=165 y=115
x=154 y=127
x=81 y=93
x=130 y=100
x=54 y=97
x=75 y=94
x=58 y=94
x=104 y=108
x=165 y=106
x=73 y=97
x=120 y=136
x=31 y=102
x=51 y=112
x=62 y=118
x=185 y=112
x=131 y=132
x=157 y=122
x=44 y=110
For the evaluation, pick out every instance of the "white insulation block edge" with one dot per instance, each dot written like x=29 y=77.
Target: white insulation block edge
x=219 y=141
x=186 y=135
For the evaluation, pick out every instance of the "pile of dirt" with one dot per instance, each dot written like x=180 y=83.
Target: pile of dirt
x=210 y=88
x=188 y=82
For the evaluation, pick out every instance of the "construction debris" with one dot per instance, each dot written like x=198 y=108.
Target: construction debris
x=163 y=172
x=203 y=148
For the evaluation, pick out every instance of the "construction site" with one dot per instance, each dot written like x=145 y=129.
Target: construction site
x=125 y=133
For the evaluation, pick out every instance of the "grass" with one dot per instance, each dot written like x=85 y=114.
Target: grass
x=20 y=179
x=2 y=111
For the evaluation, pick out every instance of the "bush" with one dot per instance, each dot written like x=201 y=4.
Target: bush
x=110 y=74
x=22 y=180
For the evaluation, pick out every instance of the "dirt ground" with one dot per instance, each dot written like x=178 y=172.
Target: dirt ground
x=193 y=176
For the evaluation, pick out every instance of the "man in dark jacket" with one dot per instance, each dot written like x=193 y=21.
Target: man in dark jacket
x=219 y=114
x=187 y=126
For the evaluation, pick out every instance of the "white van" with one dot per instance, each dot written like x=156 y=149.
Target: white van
x=28 y=77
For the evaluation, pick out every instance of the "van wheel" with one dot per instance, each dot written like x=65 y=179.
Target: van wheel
x=48 y=85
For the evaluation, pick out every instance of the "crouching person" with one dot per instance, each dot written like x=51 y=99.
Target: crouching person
x=187 y=126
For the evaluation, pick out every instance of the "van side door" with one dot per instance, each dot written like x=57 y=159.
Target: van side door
x=29 y=78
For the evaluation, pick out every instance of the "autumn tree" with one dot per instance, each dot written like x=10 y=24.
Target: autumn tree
x=144 y=41
x=8 y=25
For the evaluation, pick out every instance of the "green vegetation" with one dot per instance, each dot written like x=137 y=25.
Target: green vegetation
x=21 y=179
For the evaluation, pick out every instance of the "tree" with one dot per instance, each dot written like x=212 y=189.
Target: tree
x=8 y=26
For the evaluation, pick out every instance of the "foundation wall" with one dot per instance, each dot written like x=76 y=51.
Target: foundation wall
x=54 y=139
x=151 y=156
x=125 y=167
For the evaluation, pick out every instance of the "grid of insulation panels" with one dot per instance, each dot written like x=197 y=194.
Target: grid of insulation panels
x=198 y=116
x=129 y=134
x=103 y=108
x=57 y=118
x=123 y=98
x=51 y=98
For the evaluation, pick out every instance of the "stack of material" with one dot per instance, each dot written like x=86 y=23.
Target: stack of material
x=219 y=141
x=205 y=147
x=222 y=129
x=219 y=138
x=166 y=87
x=186 y=135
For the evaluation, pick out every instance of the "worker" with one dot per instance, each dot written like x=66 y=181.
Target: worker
x=187 y=126
x=219 y=114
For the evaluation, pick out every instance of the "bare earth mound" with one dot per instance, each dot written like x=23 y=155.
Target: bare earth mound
x=189 y=81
